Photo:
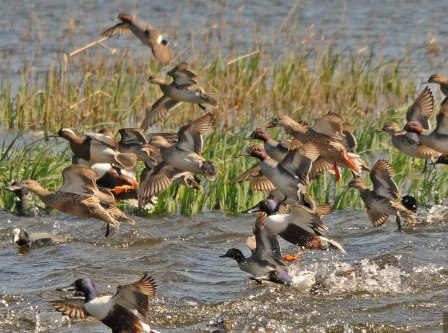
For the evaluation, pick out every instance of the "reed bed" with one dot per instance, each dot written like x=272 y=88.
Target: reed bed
x=93 y=90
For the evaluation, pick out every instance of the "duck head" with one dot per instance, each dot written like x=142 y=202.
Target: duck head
x=19 y=190
x=21 y=237
x=268 y=206
x=234 y=254
x=82 y=287
x=256 y=151
x=391 y=128
x=273 y=123
x=125 y=17
x=156 y=79
x=29 y=184
x=357 y=183
x=414 y=127
x=436 y=78
x=260 y=134
x=65 y=133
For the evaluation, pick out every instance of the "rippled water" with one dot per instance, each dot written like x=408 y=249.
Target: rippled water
x=399 y=283
x=34 y=33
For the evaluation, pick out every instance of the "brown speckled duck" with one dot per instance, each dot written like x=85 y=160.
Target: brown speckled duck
x=442 y=82
x=173 y=96
x=382 y=201
x=436 y=139
x=147 y=34
x=421 y=110
x=80 y=196
x=180 y=161
x=290 y=176
x=326 y=134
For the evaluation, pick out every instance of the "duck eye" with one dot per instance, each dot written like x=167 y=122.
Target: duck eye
x=146 y=32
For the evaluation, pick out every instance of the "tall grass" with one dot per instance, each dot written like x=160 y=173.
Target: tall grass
x=92 y=90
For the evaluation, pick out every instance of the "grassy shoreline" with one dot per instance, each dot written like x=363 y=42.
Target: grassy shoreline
x=92 y=91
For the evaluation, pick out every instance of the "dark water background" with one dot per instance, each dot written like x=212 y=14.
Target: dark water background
x=401 y=278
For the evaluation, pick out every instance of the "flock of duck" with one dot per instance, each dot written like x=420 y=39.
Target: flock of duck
x=103 y=172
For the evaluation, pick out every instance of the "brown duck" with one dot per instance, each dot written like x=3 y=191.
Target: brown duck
x=147 y=34
x=80 y=196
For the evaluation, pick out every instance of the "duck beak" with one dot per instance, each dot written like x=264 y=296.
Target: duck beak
x=54 y=136
x=252 y=210
x=13 y=187
x=70 y=287
x=224 y=256
x=426 y=82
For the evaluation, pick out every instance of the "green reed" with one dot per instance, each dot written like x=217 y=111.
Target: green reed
x=92 y=90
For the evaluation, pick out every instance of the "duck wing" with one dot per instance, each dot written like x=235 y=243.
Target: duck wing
x=158 y=45
x=190 y=136
x=117 y=30
x=267 y=246
x=182 y=76
x=422 y=109
x=348 y=140
x=152 y=183
x=74 y=308
x=101 y=139
x=309 y=220
x=331 y=125
x=381 y=176
x=298 y=161
x=442 y=120
x=80 y=180
x=248 y=174
x=135 y=296
x=159 y=110
x=132 y=136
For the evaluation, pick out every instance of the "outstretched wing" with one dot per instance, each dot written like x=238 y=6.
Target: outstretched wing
x=74 y=308
x=136 y=296
x=383 y=184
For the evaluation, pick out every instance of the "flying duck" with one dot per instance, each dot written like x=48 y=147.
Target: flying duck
x=148 y=35
x=122 y=312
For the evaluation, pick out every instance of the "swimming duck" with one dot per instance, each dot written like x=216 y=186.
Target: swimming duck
x=184 y=156
x=147 y=34
x=302 y=227
x=97 y=148
x=326 y=134
x=442 y=81
x=173 y=96
x=122 y=312
x=265 y=263
x=290 y=176
x=382 y=201
x=79 y=196
x=421 y=110
x=438 y=138
x=22 y=238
